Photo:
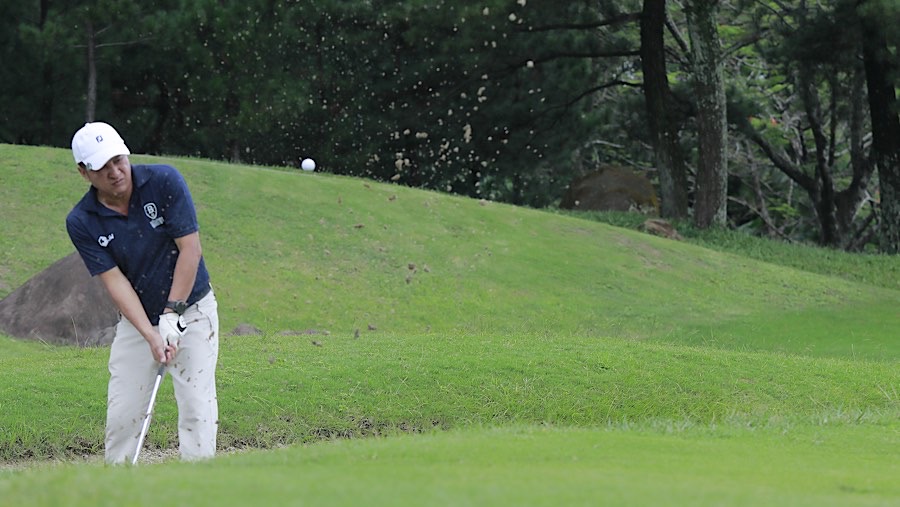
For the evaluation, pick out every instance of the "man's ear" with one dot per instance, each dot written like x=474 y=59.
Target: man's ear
x=83 y=170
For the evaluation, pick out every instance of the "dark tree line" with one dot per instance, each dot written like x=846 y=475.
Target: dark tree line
x=775 y=117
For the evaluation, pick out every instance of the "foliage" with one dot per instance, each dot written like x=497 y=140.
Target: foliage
x=441 y=95
x=801 y=101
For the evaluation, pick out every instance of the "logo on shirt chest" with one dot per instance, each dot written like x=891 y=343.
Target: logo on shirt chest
x=152 y=213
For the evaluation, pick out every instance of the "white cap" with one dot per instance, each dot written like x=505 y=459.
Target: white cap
x=95 y=144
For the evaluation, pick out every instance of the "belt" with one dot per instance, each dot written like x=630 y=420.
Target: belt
x=202 y=295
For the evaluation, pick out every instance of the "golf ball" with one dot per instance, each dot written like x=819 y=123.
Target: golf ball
x=308 y=164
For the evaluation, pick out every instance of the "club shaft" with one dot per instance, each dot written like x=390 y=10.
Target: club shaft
x=146 y=425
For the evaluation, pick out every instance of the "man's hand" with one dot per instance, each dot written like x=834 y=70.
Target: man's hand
x=163 y=351
x=171 y=329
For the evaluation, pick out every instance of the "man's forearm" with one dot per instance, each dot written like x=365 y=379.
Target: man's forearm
x=127 y=301
x=189 y=253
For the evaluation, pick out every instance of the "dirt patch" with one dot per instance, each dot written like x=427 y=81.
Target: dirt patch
x=148 y=457
x=62 y=305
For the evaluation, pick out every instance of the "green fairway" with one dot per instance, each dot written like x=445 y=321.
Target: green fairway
x=425 y=349
x=823 y=466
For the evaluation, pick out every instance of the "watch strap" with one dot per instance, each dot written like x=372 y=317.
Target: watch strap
x=178 y=306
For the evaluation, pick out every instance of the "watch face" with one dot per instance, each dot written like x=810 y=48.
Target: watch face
x=180 y=307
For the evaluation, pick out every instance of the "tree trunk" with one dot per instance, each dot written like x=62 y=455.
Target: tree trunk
x=710 y=204
x=883 y=108
x=663 y=128
x=45 y=10
x=824 y=196
x=851 y=200
x=91 y=105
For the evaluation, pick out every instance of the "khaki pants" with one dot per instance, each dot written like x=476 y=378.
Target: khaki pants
x=132 y=372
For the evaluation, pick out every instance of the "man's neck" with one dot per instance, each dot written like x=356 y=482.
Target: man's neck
x=117 y=203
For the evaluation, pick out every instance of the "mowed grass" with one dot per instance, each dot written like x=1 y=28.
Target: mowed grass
x=491 y=355
x=513 y=465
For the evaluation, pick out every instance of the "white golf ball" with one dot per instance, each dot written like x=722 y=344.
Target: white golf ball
x=308 y=164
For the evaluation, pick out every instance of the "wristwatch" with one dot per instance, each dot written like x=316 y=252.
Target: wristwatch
x=179 y=306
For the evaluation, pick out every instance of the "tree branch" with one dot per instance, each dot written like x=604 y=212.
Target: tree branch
x=590 y=91
x=780 y=161
x=679 y=39
x=773 y=229
x=591 y=54
x=744 y=42
x=114 y=44
x=616 y=20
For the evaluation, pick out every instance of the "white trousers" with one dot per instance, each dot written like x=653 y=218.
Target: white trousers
x=133 y=369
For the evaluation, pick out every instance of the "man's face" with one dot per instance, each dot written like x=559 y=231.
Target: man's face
x=113 y=179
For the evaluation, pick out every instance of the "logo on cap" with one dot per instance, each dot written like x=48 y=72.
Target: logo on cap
x=99 y=139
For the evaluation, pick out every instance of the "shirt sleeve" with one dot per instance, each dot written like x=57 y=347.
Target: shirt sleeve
x=180 y=214
x=95 y=258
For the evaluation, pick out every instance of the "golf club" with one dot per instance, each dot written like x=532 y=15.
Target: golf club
x=146 y=426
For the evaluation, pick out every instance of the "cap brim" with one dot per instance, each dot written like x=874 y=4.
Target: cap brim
x=99 y=159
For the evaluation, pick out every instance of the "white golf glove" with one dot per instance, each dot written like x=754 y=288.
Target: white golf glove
x=172 y=327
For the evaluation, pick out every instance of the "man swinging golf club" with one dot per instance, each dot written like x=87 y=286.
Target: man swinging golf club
x=136 y=228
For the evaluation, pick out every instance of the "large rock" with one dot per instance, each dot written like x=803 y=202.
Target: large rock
x=611 y=188
x=63 y=304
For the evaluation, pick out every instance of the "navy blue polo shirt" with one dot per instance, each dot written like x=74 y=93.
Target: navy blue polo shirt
x=141 y=244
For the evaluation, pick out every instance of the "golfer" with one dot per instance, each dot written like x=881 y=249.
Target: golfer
x=136 y=228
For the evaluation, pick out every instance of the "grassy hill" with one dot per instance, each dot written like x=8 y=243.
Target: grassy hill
x=387 y=310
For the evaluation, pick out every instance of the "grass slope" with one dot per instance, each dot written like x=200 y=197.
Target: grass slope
x=276 y=390
x=292 y=251
x=592 y=354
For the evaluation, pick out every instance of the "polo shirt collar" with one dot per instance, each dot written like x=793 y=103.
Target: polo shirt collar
x=140 y=175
